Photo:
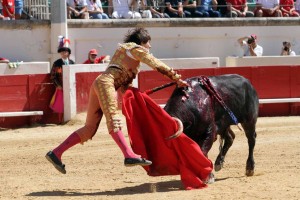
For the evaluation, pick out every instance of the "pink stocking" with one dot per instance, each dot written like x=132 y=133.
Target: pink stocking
x=72 y=140
x=120 y=140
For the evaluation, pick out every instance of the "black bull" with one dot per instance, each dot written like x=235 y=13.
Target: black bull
x=204 y=117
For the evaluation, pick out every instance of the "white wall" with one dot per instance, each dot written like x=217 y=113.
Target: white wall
x=27 y=41
x=186 y=42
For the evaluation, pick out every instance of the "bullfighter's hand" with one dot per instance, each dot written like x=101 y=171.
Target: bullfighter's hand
x=181 y=83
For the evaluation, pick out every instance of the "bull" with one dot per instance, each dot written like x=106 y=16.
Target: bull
x=210 y=106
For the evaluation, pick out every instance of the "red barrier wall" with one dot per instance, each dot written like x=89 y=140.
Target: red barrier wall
x=26 y=93
x=33 y=92
x=270 y=82
x=83 y=84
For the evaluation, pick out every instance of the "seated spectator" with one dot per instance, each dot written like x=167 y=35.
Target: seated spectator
x=94 y=8
x=4 y=60
x=1 y=16
x=297 y=6
x=238 y=8
x=190 y=9
x=267 y=8
x=156 y=8
x=250 y=46
x=222 y=7
x=174 y=8
x=8 y=9
x=92 y=58
x=119 y=9
x=286 y=49
x=134 y=6
x=77 y=9
x=288 y=9
x=145 y=9
x=209 y=8
x=18 y=8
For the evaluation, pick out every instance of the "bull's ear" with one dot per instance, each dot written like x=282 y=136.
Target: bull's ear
x=179 y=131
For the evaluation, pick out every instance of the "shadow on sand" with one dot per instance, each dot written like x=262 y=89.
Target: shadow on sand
x=168 y=186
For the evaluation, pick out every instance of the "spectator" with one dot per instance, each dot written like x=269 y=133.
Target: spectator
x=297 y=6
x=156 y=8
x=92 y=58
x=250 y=46
x=4 y=60
x=145 y=9
x=8 y=9
x=77 y=9
x=135 y=9
x=190 y=9
x=209 y=8
x=288 y=9
x=286 y=50
x=94 y=8
x=238 y=8
x=19 y=8
x=222 y=7
x=267 y=8
x=56 y=74
x=1 y=16
x=119 y=9
x=174 y=8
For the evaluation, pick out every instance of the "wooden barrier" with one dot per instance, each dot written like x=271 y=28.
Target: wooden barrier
x=278 y=87
x=24 y=99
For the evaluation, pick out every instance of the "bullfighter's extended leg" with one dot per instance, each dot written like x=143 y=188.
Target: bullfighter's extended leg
x=106 y=93
x=94 y=115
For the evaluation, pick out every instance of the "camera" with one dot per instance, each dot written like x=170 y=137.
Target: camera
x=286 y=46
x=250 y=40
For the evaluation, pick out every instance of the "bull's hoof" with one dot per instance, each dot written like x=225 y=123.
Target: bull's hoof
x=210 y=179
x=249 y=172
x=218 y=167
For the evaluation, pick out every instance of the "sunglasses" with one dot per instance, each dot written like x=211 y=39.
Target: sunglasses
x=93 y=55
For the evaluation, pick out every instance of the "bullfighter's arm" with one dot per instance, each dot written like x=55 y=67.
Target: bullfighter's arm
x=147 y=58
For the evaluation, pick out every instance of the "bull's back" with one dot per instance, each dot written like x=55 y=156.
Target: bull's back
x=235 y=90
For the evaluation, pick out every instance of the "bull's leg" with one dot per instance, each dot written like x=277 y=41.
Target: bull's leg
x=251 y=136
x=228 y=136
x=207 y=140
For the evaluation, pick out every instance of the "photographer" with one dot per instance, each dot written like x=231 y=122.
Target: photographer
x=286 y=49
x=251 y=48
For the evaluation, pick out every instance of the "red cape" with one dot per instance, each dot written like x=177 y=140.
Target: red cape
x=148 y=127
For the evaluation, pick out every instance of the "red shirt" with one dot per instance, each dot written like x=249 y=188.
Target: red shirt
x=287 y=4
x=10 y=5
x=237 y=4
x=96 y=61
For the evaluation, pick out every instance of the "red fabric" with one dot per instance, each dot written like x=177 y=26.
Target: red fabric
x=148 y=127
x=57 y=101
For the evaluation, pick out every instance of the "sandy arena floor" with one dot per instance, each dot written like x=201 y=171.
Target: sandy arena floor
x=95 y=170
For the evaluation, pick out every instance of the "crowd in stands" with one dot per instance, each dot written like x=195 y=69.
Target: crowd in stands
x=136 y=9
x=129 y=9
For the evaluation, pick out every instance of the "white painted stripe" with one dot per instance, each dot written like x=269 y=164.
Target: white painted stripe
x=22 y=113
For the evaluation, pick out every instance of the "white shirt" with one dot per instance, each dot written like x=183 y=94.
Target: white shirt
x=268 y=3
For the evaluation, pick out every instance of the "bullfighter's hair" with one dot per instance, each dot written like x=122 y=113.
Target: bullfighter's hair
x=138 y=35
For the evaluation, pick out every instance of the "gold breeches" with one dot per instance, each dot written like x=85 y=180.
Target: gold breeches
x=103 y=100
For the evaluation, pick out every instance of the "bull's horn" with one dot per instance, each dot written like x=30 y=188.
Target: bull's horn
x=179 y=131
